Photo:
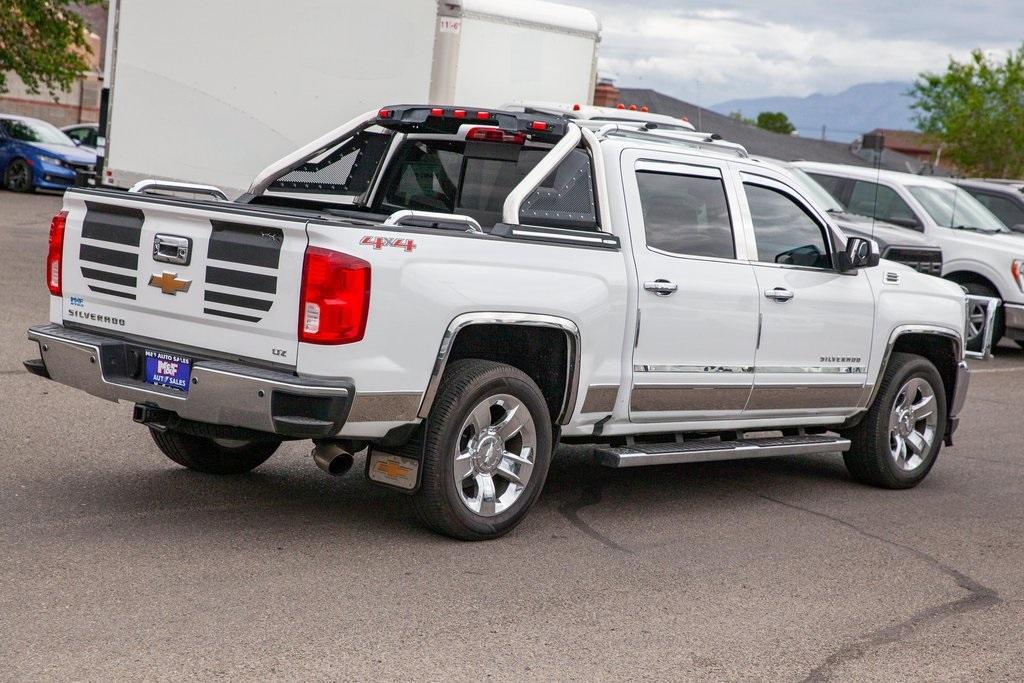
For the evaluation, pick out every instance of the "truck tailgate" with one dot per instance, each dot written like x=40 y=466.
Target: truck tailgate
x=234 y=289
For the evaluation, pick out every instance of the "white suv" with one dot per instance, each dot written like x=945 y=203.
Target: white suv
x=979 y=252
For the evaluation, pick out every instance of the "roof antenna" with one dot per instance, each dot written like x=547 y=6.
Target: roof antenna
x=876 y=143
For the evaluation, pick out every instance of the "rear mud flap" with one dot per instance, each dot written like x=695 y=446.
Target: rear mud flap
x=397 y=467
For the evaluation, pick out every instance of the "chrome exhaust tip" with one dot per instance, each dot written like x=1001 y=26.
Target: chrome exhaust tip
x=332 y=459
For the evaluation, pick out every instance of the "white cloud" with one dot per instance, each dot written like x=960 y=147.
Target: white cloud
x=711 y=55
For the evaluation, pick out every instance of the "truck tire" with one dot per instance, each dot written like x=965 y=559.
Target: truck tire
x=213 y=456
x=976 y=315
x=486 y=451
x=898 y=441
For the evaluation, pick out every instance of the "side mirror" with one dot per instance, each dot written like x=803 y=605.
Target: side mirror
x=859 y=253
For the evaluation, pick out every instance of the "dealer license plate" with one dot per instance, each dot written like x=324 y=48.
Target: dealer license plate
x=168 y=370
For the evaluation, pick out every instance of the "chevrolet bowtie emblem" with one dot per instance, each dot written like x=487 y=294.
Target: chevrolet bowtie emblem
x=169 y=283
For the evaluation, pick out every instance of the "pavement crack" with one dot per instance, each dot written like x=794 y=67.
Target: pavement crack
x=978 y=597
x=590 y=495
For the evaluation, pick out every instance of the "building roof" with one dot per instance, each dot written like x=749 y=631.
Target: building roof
x=762 y=142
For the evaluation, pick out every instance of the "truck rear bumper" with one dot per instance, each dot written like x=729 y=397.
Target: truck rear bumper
x=220 y=392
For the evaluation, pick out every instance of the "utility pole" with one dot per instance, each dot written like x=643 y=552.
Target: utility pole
x=823 y=132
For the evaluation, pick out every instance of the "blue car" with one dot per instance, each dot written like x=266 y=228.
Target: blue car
x=35 y=155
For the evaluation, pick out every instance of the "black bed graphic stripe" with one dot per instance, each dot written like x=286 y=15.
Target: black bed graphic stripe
x=111 y=292
x=246 y=244
x=108 y=257
x=118 y=224
x=235 y=300
x=229 y=314
x=236 y=278
x=115 y=278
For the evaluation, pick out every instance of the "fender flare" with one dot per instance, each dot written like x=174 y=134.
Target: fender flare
x=903 y=330
x=572 y=334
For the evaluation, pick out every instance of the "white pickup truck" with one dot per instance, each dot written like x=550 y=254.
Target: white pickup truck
x=980 y=253
x=456 y=290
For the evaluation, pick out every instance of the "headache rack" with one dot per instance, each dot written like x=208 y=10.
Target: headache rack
x=563 y=133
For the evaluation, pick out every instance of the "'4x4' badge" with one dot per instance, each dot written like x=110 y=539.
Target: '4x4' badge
x=380 y=242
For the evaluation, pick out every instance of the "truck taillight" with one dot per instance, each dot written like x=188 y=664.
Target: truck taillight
x=335 y=297
x=54 y=266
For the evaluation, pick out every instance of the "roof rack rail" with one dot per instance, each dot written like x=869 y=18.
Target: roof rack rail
x=645 y=130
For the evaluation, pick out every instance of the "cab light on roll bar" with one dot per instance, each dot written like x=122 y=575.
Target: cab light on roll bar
x=482 y=134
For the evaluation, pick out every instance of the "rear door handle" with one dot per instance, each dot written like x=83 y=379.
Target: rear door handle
x=780 y=294
x=660 y=287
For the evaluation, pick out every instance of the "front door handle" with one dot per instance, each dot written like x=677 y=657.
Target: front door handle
x=660 y=287
x=780 y=294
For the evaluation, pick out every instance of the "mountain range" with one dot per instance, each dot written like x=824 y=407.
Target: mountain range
x=845 y=115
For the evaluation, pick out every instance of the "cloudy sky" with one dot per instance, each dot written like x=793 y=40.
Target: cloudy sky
x=707 y=52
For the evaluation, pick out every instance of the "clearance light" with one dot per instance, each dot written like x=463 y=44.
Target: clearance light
x=539 y=125
x=644 y=109
x=1017 y=270
x=620 y=105
x=385 y=114
x=632 y=107
x=459 y=113
x=437 y=112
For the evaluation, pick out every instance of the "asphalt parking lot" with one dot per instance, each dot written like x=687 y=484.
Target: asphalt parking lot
x=117 y=564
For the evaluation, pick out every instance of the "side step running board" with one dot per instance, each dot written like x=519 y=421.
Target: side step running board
x=704 y=450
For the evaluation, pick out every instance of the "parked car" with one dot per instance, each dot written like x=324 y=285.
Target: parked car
x=85 y=135
x=35 y=155
x=896 y=244
x=1004 y=199
x=454 y=290
x=979 y=252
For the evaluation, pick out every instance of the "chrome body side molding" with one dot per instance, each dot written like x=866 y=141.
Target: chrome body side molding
x=572 y=334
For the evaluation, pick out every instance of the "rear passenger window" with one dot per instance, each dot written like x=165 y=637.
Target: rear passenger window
x=784 y=231
x=686 y=215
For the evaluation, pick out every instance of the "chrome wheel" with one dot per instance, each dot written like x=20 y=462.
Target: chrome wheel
x=912 y=423
x=975 y=321
x=495 y=455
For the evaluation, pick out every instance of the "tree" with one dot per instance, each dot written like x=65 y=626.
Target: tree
x=976 y=111
x=738 y=116
x=43 y=42
x=775 y=121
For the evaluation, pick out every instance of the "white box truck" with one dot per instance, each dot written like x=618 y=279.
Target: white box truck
x=213 y=92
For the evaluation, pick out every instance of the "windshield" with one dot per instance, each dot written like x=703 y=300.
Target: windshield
x=953 y=207
x=34 y=131
x=815 y=192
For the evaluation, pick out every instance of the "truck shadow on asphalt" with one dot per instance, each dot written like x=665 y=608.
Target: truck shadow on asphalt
x=287 y=494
